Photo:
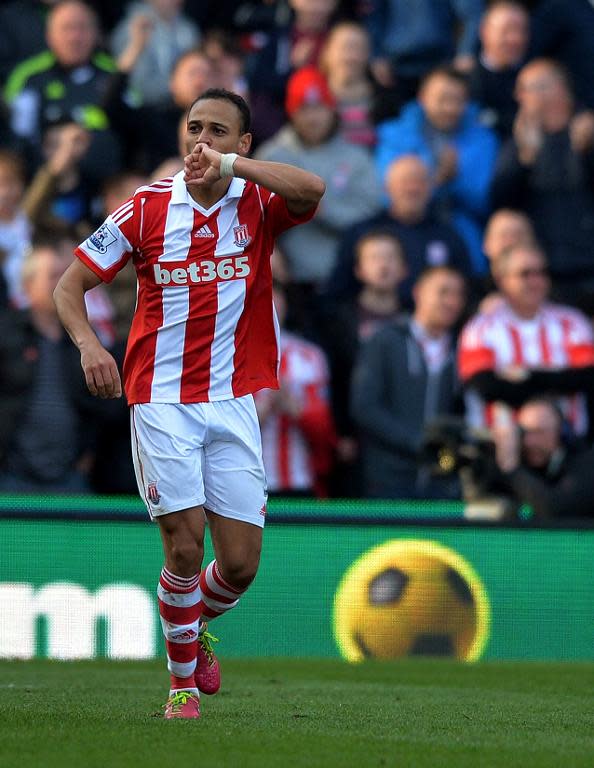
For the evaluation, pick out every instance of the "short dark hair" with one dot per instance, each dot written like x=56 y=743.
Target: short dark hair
x=449 y=71
x=435 y=269
x=221 y=94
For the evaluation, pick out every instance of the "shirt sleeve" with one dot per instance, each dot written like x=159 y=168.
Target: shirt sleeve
x=580 y=341
x=109 y=248
x=474 y=353
x=280 y=218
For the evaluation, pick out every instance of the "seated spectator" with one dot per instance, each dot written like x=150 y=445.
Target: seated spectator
x=150 y=133
x=405 y=376
x=547 y=173
x=292 y=42
x=541 y=467
x=427 y=242
x=170 y=33
x=442 y=127
x=48 y=417
x=564 y=30
x=296 y=420
x=380 y=267
x=310 y=141
x=66 y=83
x=526 y=346
x=411 y=39
x=504 y=33
x=345 y=63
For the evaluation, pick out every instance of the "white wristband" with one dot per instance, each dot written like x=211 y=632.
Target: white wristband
x=227 y=161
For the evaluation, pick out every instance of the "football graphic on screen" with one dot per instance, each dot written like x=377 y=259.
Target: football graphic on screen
x=411 y=598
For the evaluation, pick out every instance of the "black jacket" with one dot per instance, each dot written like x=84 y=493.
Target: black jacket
x=565 y=490
x=19 y=353
x=557 y=192
x=393 y=398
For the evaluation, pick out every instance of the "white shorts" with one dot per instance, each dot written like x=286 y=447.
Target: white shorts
x=200 y=454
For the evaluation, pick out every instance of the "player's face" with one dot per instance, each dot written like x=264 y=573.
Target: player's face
x=216 y=123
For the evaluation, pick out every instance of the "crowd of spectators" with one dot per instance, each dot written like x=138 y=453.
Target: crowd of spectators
x=448 y=270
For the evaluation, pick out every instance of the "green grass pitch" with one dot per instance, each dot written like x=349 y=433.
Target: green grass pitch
x=283 y=713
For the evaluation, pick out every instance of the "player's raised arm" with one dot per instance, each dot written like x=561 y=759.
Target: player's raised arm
x=100 y=369
x=301 y=189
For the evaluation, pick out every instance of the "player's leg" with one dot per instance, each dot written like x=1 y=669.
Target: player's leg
x=235 y=490
x=237 y=547
x=179 y=593
x=168 y=462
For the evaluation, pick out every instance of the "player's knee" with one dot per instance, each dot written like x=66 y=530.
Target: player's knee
x=239 y=574
x=185 y=557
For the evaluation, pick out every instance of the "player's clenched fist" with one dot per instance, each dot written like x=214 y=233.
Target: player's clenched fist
x=202 y=166
x=101 y=372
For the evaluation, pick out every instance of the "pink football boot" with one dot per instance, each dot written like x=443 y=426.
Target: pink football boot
x=208 y=670
x=182 y=704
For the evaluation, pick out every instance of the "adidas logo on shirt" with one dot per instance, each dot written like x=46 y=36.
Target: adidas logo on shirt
x=204 y=231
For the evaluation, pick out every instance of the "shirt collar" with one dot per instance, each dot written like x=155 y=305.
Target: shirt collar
x=423 y=337
x=180 y=194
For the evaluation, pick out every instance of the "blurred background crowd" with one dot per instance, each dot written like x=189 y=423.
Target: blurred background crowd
x=446 y=279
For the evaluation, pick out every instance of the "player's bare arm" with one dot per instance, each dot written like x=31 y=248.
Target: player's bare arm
x=99 y=367
x=301 y=189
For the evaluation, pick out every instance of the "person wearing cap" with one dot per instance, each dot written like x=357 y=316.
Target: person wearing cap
x=310 y=140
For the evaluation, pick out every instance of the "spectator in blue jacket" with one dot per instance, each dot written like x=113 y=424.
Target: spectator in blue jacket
x=442 y=127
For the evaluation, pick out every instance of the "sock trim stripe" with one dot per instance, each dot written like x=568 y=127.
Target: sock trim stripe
x=213 y=595
x=179 y=599
x=221 y=581
x=181 y=654
x=175 y=614
x=216 y=605
x=176 y=588
x=181 y=668
x=179 y=584
x=176 y=577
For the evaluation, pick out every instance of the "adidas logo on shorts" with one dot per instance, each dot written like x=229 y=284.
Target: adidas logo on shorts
x=204 y=231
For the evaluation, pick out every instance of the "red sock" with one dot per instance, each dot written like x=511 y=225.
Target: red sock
x=218 y=596
x=180 y=608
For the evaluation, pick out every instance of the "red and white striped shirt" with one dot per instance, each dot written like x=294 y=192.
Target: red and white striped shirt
x=288 y=444
x=204 y=327
x=557 y=337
